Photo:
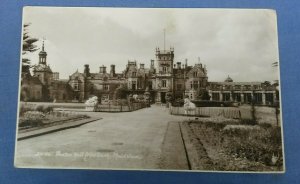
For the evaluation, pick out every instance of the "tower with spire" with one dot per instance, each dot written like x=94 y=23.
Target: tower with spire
x=43 y=55
x=42 y=70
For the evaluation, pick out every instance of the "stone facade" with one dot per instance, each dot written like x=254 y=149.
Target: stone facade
x=262 y=93
x=102 y=84
x=44 y=85
x=162 y=79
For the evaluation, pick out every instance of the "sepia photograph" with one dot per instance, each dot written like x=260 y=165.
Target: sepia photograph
x=166 y=89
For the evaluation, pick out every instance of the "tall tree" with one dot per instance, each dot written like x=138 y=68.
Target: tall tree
x=28 y=46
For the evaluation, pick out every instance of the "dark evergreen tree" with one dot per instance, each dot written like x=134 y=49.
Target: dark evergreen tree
x=28 y=46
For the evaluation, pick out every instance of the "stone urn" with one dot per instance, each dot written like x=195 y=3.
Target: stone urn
x=91 y=104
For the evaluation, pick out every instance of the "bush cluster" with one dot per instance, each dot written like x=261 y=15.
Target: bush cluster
x=40 y=108
x=32 y=118
x=122 y=102
x=32 y=115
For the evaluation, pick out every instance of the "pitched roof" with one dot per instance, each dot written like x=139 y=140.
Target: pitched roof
x=42 y=68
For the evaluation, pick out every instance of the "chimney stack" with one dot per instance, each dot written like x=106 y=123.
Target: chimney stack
x=152 y=63
x=186 y=63
x=142 y=65
x=179 y=65
x=103 y=69
x=112 y=70
x=86 y=70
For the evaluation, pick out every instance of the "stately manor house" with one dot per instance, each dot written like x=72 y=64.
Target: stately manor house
x=163 y=78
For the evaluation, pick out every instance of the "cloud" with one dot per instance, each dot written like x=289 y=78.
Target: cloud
x=240 y=43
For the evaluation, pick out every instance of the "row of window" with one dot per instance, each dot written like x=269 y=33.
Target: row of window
x=236 y=87
x=269 y=97
x=76 y=86
x=196 y=84
x=165 y=70
x=165 y=58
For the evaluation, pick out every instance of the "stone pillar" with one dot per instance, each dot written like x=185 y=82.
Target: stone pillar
x=210 y=94
x=263 y=94
x=158 y=97
x=274 y=96
x=221 y=96
x=242 y=98
x=252 y=97
x=231 y=99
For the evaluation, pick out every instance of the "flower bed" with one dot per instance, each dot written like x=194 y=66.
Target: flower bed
x=39 y=116
x=236 y=147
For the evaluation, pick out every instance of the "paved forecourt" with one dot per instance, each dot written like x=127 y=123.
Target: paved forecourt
x=131 y=140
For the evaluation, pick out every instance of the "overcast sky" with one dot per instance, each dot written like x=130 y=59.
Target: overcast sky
x=240 y=43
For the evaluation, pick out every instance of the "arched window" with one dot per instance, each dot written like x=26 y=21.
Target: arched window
x=164 y=83
x=76 y=85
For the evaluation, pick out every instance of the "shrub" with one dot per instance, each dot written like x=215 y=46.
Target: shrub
x=44 y=108
x=248 y=122
x=257 y=145
x=39 y=108
x=24 y=108
x=32 y=118
x=33 y=115
x=178 y=102
x=31 y=123
x=48 y=109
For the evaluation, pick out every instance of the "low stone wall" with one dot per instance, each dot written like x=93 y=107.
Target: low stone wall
x=54 y=105
x=120 y=108
x=81 y=106
x=262 y=114
x=232 y=113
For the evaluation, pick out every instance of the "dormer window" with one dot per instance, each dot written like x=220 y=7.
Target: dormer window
x=106 y=87
x=76 y=86
x=195 y=74
x=133 y=74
